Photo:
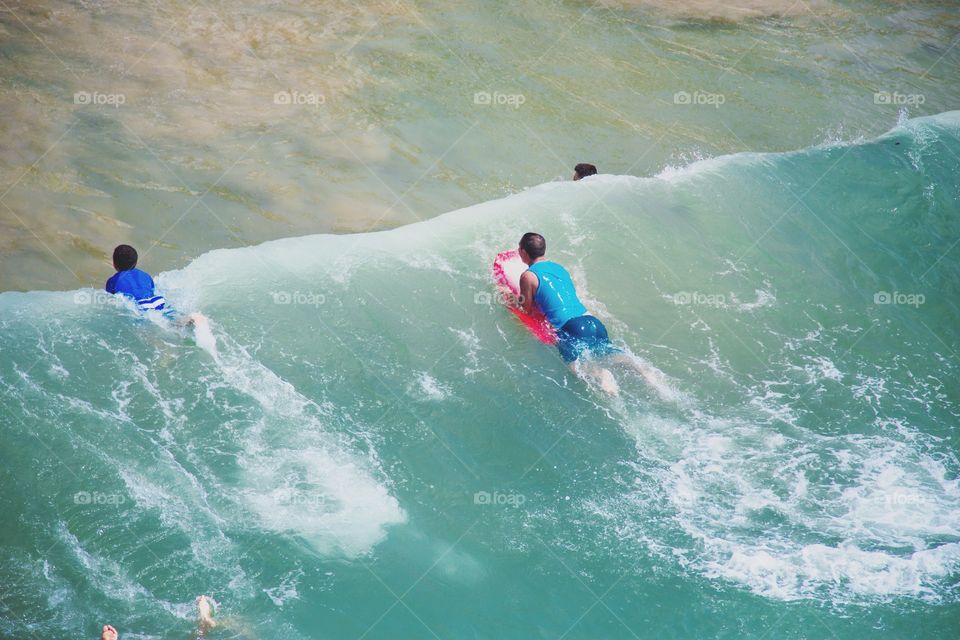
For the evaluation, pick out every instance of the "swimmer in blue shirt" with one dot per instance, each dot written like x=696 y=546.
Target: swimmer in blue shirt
x=138 y=286
x=548 y=286
x=132 y=282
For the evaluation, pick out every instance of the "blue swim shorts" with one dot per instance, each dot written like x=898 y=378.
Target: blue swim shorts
x=581 y=335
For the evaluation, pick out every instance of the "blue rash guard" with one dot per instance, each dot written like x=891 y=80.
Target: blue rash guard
x=138 y=285
x=557 y=298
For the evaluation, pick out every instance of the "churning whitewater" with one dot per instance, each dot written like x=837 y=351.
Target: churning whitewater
x=367 y=397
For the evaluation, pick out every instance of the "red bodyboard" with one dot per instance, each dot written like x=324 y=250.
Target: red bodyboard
x=507 y=269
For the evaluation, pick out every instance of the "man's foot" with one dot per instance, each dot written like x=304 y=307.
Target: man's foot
x=205 y=612
x=196 y=320
x=108 y=633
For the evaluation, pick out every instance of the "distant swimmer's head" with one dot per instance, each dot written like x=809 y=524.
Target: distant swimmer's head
x=532 y=246
x=124 y=257
x=583 y=170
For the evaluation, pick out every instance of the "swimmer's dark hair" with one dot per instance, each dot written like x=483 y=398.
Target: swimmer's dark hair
x=533 y=244
x=583 y=170
x=124 y=257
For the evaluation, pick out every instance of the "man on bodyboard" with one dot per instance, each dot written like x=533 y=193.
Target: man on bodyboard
x=547 y=286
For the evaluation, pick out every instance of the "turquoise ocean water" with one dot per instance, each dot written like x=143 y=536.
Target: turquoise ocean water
x=184 y=126
x=374 y=448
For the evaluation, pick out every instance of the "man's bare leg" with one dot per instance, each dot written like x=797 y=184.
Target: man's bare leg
x=656 y=380
x=598 y=374
x=108 y=633
x=653 y=377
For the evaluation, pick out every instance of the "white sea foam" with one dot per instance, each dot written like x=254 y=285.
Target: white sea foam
x=104 y=572
x=430 y=388
x=204 y=336
x=300 y=478
x=763 y=299
x=286 y=590
x=846 y=518
x=332 y=503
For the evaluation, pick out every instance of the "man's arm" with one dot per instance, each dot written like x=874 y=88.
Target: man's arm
x=529 y=282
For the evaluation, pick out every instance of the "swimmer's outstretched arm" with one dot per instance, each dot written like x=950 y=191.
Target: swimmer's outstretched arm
x=205 y=620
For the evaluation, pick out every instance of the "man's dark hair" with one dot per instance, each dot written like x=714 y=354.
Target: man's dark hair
x=583 y=170
x=533 y=244
x=124 y=257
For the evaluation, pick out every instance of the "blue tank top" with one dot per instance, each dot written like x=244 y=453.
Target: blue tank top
x=556 y=296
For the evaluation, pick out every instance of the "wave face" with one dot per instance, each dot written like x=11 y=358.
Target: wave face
x=372 y=426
